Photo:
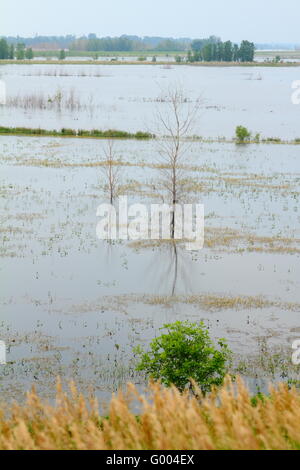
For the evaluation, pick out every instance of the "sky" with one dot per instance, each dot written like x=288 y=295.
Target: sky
x=256 y=20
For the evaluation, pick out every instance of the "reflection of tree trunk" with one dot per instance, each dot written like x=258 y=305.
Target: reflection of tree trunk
x=173 y=222
x=175 y=269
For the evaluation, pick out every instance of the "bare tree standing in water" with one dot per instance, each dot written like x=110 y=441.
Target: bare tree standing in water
x=111 y=171
x=175 y=124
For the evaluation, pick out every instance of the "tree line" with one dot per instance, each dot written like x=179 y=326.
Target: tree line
x=214 y=50
x=11 y=51
x=206 y=49
x=128 y=44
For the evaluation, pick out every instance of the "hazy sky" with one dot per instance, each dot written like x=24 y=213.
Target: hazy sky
x=257 y=20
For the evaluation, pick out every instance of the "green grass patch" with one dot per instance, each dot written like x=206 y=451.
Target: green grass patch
x=107 y=134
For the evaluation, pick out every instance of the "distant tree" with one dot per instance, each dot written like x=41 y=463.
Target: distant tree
x=29 y=54
x=62 y=54
x=219 y=52
x=247 y=50
x=196 y=56
x=11 y=53
x=198 y=44
x=242 y=134
x=228 y=51
x=20 y=51
x=4 y=51
x=235 y=53
x=207 y=53
x=170 y=45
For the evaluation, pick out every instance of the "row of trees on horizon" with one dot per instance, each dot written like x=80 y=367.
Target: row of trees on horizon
x=12 y=51
x=210 y=49
x=214 y=50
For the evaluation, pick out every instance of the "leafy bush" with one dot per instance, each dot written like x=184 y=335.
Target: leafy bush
x=242 y=134
x=185 y=352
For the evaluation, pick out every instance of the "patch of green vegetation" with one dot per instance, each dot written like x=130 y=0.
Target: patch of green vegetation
x=108 y=134
x=242 y=134
x=272 y=140
x=185 y=354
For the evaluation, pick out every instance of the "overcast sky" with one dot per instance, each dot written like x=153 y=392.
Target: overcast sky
x=257 y=20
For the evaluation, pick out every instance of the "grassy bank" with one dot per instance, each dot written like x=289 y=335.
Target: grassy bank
x=118 y=134
x=228 y=419
x=96 y=133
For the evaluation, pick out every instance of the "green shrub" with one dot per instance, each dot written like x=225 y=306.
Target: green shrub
x=185 y=353
x=242 y=134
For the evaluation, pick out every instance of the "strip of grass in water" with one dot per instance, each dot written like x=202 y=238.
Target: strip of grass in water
x=108 y=134
x=117 y=134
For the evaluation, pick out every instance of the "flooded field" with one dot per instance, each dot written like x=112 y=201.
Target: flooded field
x=124 y=97
x=75 y=306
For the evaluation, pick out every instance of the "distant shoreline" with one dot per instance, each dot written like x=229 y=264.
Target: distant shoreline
x=157 y=63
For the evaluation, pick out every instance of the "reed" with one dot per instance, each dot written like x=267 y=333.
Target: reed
x=226 y=419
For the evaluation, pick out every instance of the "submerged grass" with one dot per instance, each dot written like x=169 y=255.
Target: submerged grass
x=227 y=419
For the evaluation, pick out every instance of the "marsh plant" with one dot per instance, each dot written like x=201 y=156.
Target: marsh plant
x=59 y=100
x=226 y=419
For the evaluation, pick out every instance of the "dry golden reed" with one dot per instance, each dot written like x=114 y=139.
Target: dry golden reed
x=168 y=420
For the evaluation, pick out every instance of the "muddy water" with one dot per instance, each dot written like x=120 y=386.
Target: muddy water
x=75 y=306
x=123 y=97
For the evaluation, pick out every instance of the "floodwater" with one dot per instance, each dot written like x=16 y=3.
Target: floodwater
x=125 y=97
x=76 y=306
